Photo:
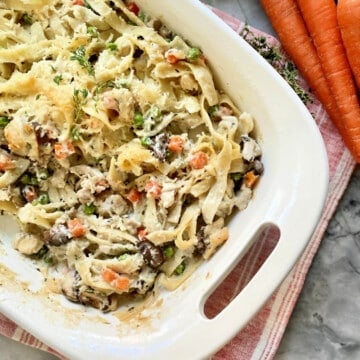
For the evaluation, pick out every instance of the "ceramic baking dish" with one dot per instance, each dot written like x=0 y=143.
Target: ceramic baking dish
x=290 y=195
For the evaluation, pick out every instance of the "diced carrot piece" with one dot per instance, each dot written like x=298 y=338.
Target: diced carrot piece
x=108 y=275
x=133 y=8
x=171 y=59
x=76 y=227
x=198 y=160
x=250 y=179
x=64 y=150
x=173 y=56
x=176 y=143
x=134 y=196
x=141 y=233
x=79 y=2
x=153 y=189
x=122 y=283
x=6 y=163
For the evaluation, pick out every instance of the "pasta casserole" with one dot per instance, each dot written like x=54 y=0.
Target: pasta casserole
x=119 y=157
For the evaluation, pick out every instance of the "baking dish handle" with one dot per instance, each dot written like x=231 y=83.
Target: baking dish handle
x=253 y=296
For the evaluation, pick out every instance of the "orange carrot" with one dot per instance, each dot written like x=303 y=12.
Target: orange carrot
x=348 y=15
x=321 y=20
x=198 y=160
x=79 y=2
x=173 y=56
x=153 y=189
x=133 y=8
x=250 y=179
x=290 y=27
x=134 y=195
x=63 y=150
x=6 y=163
x=141 y=233
x=120 y=282
x=176 y=143
x=108 y=275
x=76 y=227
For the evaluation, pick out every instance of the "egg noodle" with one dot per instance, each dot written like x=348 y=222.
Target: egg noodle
x=118 y=156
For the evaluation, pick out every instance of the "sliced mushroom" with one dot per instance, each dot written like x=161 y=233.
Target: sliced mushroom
x=152 y=254
x=105 y=303
x=58 y=235
x=70 y=285
x=160 y=146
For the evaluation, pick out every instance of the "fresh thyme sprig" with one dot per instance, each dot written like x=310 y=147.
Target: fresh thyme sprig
x=273 y=55
x=80 y=99
x=79 y=55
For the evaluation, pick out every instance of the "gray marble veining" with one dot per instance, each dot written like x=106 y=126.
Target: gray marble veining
x=326 y=321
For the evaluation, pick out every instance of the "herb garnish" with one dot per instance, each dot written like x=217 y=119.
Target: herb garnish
x=273 y=55
x=58 y=79
x=79 y=55
x=111 y=46
x=80 y=99
x=92 y=31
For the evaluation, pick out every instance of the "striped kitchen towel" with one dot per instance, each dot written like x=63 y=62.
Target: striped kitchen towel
x=260 y=339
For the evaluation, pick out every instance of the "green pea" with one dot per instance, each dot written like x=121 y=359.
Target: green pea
x=213 y=111
x=138 y=120
x=145 y=141
x=26 y=179
x=168 y=252
x=111 y=46
x=193 y=54
x=43 y=199
x=236 y=176
x=180 y=268
x=4 y=120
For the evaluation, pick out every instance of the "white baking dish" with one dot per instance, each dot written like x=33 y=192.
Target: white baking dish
x=290 y=195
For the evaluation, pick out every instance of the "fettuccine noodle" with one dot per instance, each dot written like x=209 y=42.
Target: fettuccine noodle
x=118 y=155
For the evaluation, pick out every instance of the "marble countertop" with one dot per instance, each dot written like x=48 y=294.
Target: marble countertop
x=325 y=323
